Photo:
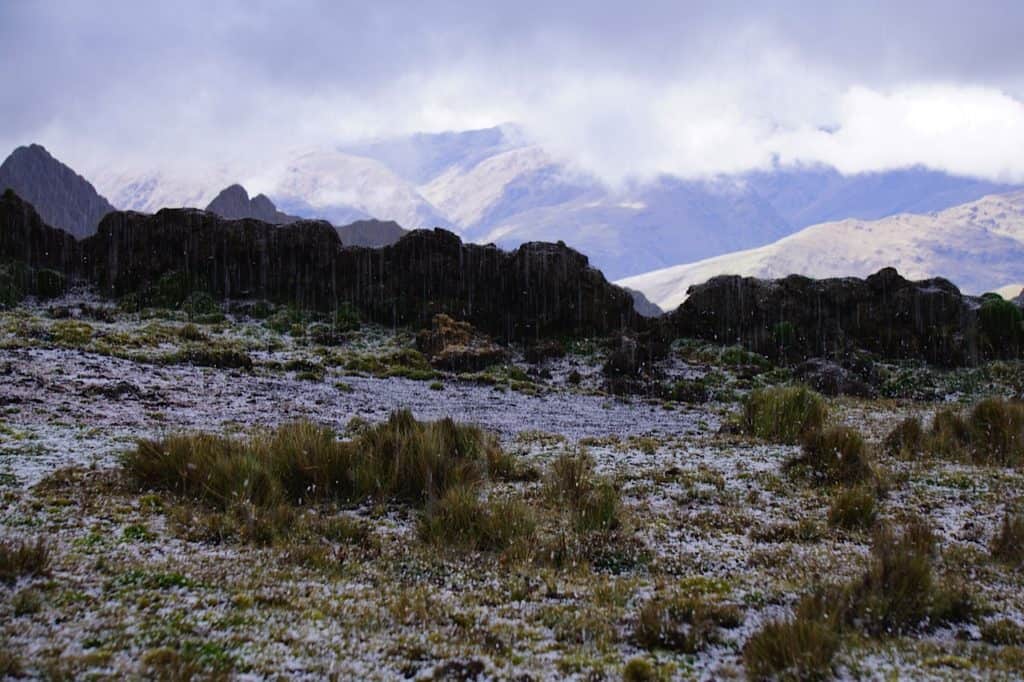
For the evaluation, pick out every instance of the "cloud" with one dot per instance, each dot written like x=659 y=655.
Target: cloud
x=621 y=91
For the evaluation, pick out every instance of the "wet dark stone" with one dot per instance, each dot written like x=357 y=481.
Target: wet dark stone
x=796 y=317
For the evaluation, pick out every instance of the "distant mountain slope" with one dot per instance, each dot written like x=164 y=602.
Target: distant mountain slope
x=63 y=198
x=421 y=157
x=650 y=225
x=808 y=195
x=978 y=245
x=234 y=203
x=371 y=233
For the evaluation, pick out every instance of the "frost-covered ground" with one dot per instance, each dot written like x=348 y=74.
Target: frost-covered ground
x=129 y=595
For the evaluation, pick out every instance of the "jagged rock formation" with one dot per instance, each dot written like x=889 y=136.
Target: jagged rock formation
x=63 y=198
x=537 y=290
x=371 y=233
x=798 y=317
x=234 y=203
x=25 y=238
x=292 y=263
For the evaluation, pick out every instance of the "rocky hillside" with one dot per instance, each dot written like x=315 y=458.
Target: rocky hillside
x=63 y=198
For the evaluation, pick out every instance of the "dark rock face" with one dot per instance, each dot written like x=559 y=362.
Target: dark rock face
x=227 y=258
x=234 y=203
x=63 y=198
x=25 y=238
x=538 y=290
x=371 y=233
x=535 y=291
x=797 y=317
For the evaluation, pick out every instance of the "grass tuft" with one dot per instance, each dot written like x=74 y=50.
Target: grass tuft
x=23 y=558
x=461 y=519
x=684 y=623
x=783 y=414
x=799 y=648
x=837 y=455
x=595 y=502
x=854 y=509
x=302 y=462
x=1008 y=545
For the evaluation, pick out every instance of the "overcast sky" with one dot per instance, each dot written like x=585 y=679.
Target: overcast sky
x=621 y=89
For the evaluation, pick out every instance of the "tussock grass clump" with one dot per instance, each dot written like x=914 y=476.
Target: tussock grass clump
x=461 y=519
x=594 y=500
x=783 y=414
x=203 y=354
x=302 y=462
x=837 y=455
x=1002 y=632
x=639 y=670
x=1008 y=545
x=803 y=531
x=684 y=623
x=799 y=648
x=23 y=558
x=992 y=433
x=854 y=509
x=906 y=440
x=899 y=592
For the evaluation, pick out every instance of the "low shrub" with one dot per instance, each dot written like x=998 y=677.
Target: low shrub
x=23 y=558
x=190 y=332
x=783 y=414
x=837 y=455
x=854 y=509
x=1008 y=545
x=639 y=670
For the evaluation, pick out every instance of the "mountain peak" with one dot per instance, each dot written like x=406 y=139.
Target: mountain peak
x=63 y=198
x=234 y=203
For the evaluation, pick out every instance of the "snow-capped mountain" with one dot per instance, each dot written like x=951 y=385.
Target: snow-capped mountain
x=149 y=191
x=978 y=245
x=342 y=187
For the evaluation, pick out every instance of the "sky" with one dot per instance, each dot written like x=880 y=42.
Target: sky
x=621 y=90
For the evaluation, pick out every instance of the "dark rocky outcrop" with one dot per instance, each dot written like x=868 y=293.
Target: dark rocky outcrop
x=25 y=238
x=832 y=378
x=797 y=317
x=535 y=291
x=234 y=203
x=292 y=263
x=63 y=198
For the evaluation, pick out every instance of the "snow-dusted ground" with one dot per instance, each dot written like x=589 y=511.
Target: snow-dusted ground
x=127 y=596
